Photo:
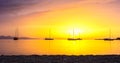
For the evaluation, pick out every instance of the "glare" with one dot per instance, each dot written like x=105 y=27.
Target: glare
x=75 y=31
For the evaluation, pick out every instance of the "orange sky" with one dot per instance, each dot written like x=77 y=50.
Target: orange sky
x=93 y=18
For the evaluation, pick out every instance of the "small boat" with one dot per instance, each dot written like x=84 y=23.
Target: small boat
x=15 y=38
x=74 y=37
x=118 y=38
x=49 y=38
x=16 y=35
x=109 y=39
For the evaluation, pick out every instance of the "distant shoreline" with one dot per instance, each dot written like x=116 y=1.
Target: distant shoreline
x=60 y=59
x=20 y=39
x=11 y=37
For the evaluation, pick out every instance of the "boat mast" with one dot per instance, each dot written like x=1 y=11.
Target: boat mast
x=49 y=33
x=109 y=33
x=79 y=35
x=73 y=33
x=16 y=32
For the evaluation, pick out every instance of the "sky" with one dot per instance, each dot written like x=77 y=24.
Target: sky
x=34 y=18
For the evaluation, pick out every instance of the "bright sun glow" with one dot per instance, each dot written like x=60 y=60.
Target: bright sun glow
x=75 y=31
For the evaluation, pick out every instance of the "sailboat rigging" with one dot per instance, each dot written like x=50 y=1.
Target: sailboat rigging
x=16 y=35
x=109 y=39
x=49 y=38
x=73 y=38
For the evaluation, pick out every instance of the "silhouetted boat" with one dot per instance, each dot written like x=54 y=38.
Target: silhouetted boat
x=118 y=38
x=15 y=38
x=109 y=39
x=49 y=38
x=74 y=37
x=16 y=35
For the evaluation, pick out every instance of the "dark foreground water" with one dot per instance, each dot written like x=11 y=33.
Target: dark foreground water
x=60 y=59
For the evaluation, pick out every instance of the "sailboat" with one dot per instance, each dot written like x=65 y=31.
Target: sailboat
x=74 y=37
x=16 y=35
x=109 y=39
x=49 y=38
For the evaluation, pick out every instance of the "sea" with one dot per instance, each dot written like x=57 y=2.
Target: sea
x=59 y=47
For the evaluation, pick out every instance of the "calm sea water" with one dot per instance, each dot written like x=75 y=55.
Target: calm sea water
x=59 y=47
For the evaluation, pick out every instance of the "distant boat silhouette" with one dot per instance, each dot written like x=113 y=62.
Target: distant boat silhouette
x=74 y=37
x=109 y=39
x=118 y=38
x=49 y=38
x=16 y=35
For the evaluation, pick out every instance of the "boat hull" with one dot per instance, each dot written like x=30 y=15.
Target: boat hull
x=74 y=39
x=49 y=39
x=15 y=38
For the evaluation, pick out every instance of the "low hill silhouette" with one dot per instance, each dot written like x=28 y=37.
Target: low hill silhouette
x=11 y=37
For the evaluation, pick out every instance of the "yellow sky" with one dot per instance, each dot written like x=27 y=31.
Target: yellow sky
x=92 y=19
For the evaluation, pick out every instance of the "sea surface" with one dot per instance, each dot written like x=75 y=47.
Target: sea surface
x=59 y=47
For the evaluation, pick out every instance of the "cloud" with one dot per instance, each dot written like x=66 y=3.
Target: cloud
x=11 y=8
x=99 y=1
x=21 y=7
x=7 y=6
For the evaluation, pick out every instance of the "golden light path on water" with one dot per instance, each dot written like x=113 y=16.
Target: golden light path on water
x=59 y=47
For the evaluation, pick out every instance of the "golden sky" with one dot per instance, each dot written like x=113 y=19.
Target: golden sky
x=89 y=18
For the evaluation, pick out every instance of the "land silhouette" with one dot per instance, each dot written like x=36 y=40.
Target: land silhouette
x=60 y=59
x=11 y=37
